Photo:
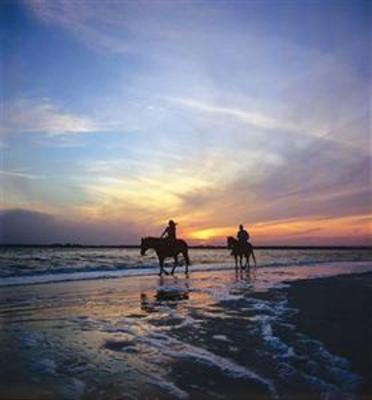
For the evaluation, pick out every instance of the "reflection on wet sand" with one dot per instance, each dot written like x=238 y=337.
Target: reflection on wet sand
x=247 y=274
x=169 y=295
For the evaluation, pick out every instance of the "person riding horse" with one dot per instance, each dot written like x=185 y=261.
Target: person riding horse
x=170 y=232
x=167 y=246
x=243 y=237
x=241 y=247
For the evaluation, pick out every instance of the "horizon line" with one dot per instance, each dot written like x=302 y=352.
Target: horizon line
x=136 y=246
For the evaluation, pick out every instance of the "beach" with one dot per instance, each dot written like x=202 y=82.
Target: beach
x=338 y=312
x=293 y=332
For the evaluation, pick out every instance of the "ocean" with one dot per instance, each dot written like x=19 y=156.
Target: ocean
x=98 y=323
x=25 y=265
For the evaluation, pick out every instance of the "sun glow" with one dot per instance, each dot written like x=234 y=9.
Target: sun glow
x=211 y=233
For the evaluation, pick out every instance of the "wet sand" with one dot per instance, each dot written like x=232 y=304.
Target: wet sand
x=338 y=312
x=214 y=335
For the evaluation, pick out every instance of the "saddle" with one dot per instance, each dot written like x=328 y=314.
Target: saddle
x=245 y=246
x=169 y=240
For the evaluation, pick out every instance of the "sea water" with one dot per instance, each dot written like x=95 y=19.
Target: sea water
x=23 y=265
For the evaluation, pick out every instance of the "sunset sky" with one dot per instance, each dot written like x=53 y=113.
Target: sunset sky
x=117 y=116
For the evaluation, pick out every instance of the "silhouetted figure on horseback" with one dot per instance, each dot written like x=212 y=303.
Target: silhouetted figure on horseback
x=170 y=231
x=167 y=246
x=241 y=247
x=243 y=237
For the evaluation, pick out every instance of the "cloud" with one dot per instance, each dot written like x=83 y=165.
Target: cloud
x=252 y=118
x=20 y=173
x=31 y=116
x=321 y=180
x=119 y=26
x=33 y=227
x=104 y=26
x=209 y=60
x=24 y=226
x=344 y=231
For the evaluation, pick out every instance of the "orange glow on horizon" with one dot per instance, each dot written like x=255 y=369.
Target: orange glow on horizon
x=210 y=233
x=291 y=231
x=348 y=230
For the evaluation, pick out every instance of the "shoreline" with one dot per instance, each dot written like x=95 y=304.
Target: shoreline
x=42 y=278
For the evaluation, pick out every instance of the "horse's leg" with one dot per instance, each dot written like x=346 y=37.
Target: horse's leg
x=175 y=264
x=254 y=258
x=161 y=263
x=241 y=260
x=236 y=261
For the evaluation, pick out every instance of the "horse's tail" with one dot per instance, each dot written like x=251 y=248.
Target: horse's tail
x=254 y=257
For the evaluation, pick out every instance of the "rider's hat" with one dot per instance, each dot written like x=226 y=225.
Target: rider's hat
x=171 y=222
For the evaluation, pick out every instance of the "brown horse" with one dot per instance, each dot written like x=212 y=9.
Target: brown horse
x=165 y=248
x=238 y=251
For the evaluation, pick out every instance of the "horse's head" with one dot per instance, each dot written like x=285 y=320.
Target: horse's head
x=231 y=242
x=144 y=246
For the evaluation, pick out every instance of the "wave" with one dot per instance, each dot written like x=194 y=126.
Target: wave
x=273 y=274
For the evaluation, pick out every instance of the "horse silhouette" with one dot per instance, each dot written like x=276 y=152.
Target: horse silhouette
x=165 y=248
x=239 y=251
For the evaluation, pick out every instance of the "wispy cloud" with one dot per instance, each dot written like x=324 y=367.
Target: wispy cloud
x=20 y=173
x=31 y=116
x=119 y=26
x=104 y=26
x=252 y=118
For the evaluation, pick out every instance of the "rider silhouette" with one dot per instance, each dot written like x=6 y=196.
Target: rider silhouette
x=170 y=231
x=243 y=237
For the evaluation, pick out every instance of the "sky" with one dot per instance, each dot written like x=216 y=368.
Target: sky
x=117 y=116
